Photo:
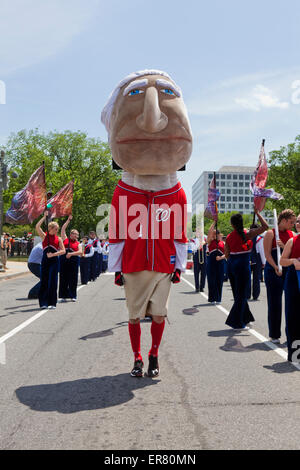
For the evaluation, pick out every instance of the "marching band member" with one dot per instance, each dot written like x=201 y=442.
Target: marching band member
x=199 y=263
x=87 y=252
x=53 y=247
x=290 y=259
x=274 y=278
x=69 y=264
x=94 y=271
x=238 y=247
x=256 y=267
x=215 y=264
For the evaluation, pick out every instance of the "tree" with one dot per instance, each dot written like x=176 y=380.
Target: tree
x=284 y=176
x=66 y=155
x=224 y=225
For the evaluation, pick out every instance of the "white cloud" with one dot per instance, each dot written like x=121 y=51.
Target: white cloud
x=33 y=30
x=261 y=97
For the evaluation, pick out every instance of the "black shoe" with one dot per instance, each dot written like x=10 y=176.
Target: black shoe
x=153 y=368
x=201 y=290
x=197 y=290
x=137 y=370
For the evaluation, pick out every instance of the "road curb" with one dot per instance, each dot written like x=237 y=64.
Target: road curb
x=12 y=276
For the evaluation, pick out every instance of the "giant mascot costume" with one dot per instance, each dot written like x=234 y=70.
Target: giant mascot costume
x=150 y=139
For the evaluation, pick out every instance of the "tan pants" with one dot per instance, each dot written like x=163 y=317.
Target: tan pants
x=147 y=292
x=3 y=255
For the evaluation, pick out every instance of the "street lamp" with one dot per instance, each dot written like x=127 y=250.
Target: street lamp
x=3 y=186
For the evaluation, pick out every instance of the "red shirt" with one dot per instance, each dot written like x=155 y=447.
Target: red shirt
x=284 y=237
x=295 y=253
x=148 y=222
x=51 y=241
x=236 y=243
x=213 y=246
x=71 y=245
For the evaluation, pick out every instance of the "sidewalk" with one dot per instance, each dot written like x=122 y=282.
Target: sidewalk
x=15 y=269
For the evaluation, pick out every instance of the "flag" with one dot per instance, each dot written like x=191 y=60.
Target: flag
x=30 y=202
x=61 y=204
x=259 y=181
x=211 y=211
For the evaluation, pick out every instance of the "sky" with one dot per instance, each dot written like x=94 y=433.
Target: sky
x=236 y=63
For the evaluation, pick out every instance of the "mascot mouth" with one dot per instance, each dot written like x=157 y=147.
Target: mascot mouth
x=137 y=140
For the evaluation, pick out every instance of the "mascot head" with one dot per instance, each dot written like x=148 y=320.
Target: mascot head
x=147 y=123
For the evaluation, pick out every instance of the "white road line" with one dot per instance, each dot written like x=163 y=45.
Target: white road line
x=255 y=333
x=27 y=322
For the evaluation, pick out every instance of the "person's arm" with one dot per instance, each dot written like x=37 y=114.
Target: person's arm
x=268 y=241
x=285 y=259
x=219 y=258
x=210 y=235
x=253 y=232
x=75 y=253
x=38 y=228
x=226 y=250
x=63 y=229
x=61 y=251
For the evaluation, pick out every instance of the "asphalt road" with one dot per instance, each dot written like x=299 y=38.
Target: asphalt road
x=65 y=383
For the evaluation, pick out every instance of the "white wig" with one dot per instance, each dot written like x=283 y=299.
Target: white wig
x=108 y=108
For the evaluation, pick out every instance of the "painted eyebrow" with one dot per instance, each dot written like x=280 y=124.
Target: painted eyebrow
x=135 y=84
x=172 y=86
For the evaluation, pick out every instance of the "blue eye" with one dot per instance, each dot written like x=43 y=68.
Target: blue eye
x=135 y=92
x=168 y=91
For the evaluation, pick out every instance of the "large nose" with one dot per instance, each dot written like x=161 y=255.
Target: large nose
x=152 y=118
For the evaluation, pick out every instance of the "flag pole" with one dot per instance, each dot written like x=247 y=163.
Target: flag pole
x=216 y=209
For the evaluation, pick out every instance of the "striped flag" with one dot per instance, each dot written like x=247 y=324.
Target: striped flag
x=61 y=204
x=29 y=203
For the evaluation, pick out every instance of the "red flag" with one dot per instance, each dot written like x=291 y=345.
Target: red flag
x=211 y=211
x=29 y=203
x=62 y=203
x=259 y=181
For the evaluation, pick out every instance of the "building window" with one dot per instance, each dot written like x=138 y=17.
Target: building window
x=241 y=191
x=246 y=206
x=222 y=177
x=241 y=206
x=228 y=177
x=222 y=206
x=234 y=177
x=235 y=184
x=222 y=198
x=228 y=198
x=247 y=199
x=247 y=177
x=241 y=185
x=222 y=183
x=228 y=191
x=235 y=191
x=234 y=198
x=241 y=177
x=241 y=199
x=210 y=175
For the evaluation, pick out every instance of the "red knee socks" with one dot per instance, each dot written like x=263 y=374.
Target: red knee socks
x=135 y=338
x=157 y=330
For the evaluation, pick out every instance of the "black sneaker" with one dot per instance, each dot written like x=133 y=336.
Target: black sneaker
x=137 y=370
x=153 y=368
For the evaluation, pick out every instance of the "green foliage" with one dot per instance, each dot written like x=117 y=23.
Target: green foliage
x=66 y=155
x=224 y=225
x=284 y=176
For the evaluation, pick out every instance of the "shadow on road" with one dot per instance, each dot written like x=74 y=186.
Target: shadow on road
x=282 y=368
x=84 y=394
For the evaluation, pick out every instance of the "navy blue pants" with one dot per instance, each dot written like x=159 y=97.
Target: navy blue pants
x=239 y=274
x=274 y=285
x=215 y=277
x=94 y=266
x=292 y=315
x=68 y=277
x=199 y=270
x=256 y=277
x=85 y=268
x=100 y=263
x=35 y=268
x=49 y=276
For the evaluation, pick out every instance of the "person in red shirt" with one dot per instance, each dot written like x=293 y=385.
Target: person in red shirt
x=69 y=264
x=238 y=247
x=53 y=247
x=150 y=139
x=274 y=278
x=290 y=259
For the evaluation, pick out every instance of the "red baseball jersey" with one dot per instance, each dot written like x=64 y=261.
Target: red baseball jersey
x=149 y=222
x=295 y=253
x=283 y=235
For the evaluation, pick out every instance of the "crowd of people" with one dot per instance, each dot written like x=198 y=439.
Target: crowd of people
x=13 y=246
x=254 y=251
x=244 y=257
x=57 y=261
